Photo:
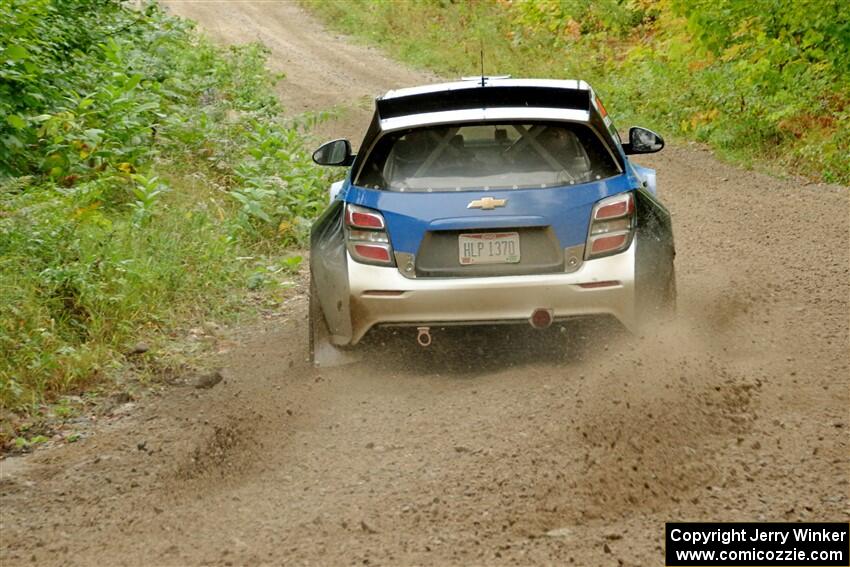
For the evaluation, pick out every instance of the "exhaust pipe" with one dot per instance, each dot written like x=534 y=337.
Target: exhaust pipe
x=541 y=318
x=423 y=336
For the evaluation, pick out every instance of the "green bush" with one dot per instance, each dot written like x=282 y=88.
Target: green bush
x=766 y=79
x=147 y=179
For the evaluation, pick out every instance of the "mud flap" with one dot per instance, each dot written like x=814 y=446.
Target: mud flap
x=327 y=355
x=330 y=310
x=654 y=270
x=323 y=353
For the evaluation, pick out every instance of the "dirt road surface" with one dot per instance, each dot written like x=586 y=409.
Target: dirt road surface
x=489 y=448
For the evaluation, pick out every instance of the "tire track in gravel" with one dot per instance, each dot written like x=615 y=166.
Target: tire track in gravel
x=471 y=451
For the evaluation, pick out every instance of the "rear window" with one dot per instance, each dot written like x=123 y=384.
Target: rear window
x=486 y=156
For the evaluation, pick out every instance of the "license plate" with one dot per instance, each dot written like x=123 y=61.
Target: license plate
x=488 y=248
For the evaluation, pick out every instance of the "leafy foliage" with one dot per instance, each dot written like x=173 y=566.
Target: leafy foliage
x=146 y=176
x=764 y=79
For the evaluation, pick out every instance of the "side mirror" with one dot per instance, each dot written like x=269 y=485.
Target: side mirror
x=643 y=141
x=337 y=152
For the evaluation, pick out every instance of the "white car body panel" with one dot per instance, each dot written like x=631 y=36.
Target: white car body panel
x=571 y=84
x=336 y=187
x=646 y=175
x=426 y=301
x=483 y=114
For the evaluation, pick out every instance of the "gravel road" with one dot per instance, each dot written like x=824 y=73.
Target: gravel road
x=500 y=447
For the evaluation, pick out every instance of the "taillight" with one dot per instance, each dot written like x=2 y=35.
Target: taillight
x=366 y=235
x=361 y=217
x=611 y=226
x=621 y=206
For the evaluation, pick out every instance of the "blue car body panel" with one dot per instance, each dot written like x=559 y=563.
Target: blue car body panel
x=410 y=215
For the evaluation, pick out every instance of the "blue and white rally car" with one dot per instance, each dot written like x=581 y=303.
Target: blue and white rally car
x=490 y=201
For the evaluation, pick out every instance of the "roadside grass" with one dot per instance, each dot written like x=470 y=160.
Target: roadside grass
x=763 y=82
x=148 y=181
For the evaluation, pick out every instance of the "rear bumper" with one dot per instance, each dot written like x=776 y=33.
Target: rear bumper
x=381 y=296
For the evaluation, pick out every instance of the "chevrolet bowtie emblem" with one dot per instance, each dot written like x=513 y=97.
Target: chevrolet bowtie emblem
x=487 y=203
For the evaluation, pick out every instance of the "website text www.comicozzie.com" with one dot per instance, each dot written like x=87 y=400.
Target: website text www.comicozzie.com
x=775 y=556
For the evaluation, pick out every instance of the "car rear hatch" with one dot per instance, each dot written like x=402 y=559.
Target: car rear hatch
x=488 y=233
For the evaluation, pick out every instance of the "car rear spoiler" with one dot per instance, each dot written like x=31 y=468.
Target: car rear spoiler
x=491 y=96
x=484 y=97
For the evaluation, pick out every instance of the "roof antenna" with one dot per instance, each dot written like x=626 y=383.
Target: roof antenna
x=481 y=43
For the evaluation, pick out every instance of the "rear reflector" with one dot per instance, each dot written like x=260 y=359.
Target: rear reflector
x=374 y=252
x=606 y=243
x=383 y=293
x=594 y=285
